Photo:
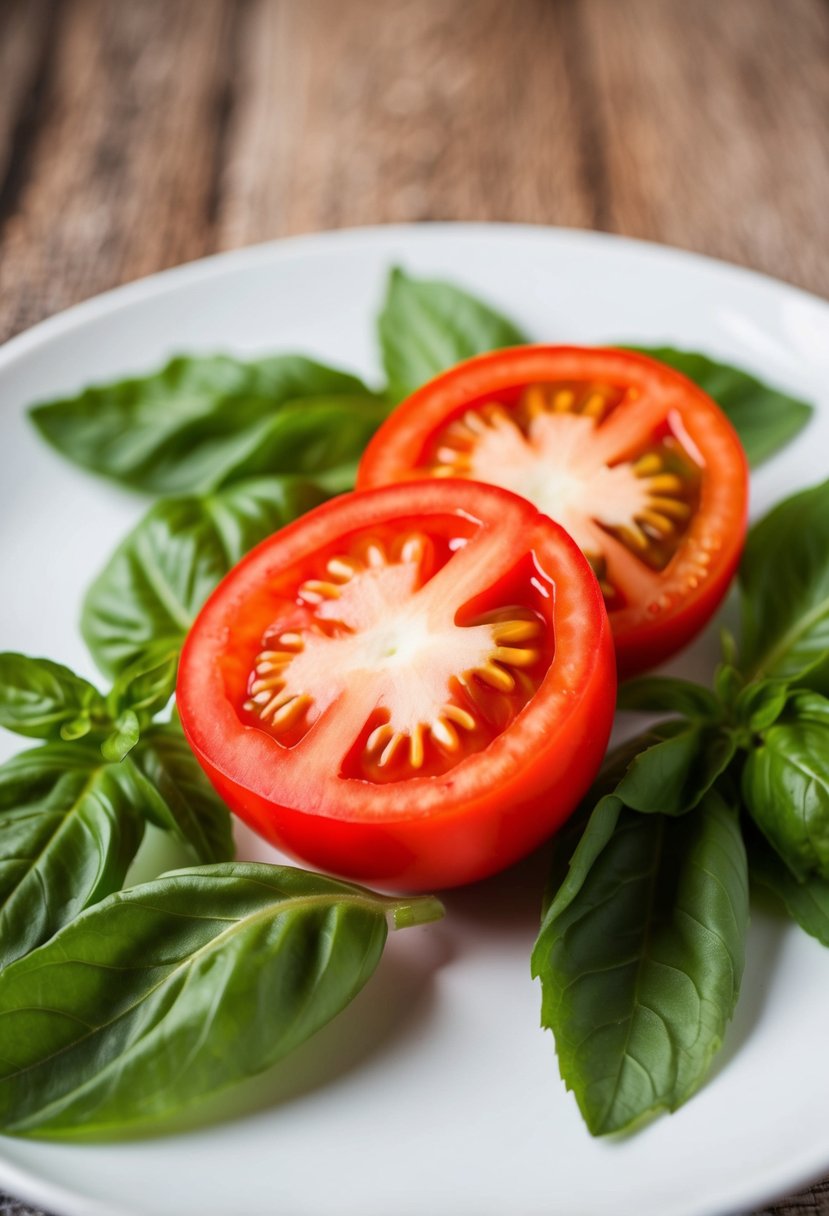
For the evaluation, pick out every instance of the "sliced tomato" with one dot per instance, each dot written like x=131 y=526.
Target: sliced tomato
x=412 y=686
x=638 y=464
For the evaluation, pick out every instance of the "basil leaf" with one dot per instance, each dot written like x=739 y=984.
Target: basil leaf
x=805 y=706
x=728 y=645
x=578 y=843
x=761 y=703
x=124 y=738
x=201 y=422
x=42 y=699
x=641 y=969
x=320 y=438
x=575 y=851
x=145 y=599
x=69 y=828
x=178 y=796
x=666 y=694
x=785 y=787
x=145 y=687
x=806 y=902
x=728 y=685
x=672 y=776
x=427 y=325
x=765 y=418
x=169 y=991
x=784 y=580
x=618 y=761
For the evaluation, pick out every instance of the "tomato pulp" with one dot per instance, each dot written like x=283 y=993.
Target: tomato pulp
x=412 y=686
x=638 y=464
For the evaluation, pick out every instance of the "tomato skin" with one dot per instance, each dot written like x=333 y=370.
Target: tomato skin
x=477 y=839
x=420 y=833
x=647 y=633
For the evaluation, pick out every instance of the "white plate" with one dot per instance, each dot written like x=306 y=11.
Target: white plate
x=435 y=1093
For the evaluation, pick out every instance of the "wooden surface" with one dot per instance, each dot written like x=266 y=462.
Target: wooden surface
x=137 y=134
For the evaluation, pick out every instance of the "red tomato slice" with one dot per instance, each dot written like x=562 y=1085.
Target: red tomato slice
x=412 y=686
x=638 y=464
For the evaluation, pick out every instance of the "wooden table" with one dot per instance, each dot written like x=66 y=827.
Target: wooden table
x=137 y=134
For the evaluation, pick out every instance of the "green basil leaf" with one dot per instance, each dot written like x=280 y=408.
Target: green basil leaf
x=761 y=703
x=124 y=738
x=641 y=969
x=785 y=787
x=147 y=596
x=78 y=728
x=178 y=797
x=320 y=438
x=145 y=687
x=427 y=325
x=765 y=418
x=802 y=705
x=668 y=695
x=577 y=844
x=69 y=828
x=618 y=761
x=806 y=902
x=728 y=646
x=204 y=421
x=672 y=776
x=728 y=684
x=169 y=991
x=784 y=579
x=42 y=699
x=575 y=850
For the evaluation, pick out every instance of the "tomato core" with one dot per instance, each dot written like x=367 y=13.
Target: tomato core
x=544 y=443
x=444 y=683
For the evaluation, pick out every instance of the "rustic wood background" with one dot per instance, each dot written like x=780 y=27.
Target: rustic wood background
x=138 y=134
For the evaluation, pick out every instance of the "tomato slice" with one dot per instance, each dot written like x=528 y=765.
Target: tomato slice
x=412 y=686
x=638 y=464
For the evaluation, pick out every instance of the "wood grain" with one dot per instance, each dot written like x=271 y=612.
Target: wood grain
x=118 y=175
x=466 y=110
x=137 y=134
x=715 y=128
x=25 y=51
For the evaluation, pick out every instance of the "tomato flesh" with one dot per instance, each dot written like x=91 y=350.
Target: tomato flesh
x=412 y=686
x=636 y=463
x=443 y=688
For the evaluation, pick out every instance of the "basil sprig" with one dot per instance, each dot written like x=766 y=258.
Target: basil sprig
x=642 y=943
x=222 y=970
x=70 y=826
x=73 y=811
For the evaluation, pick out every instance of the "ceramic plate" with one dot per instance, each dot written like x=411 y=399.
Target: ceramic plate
x=435 y=1093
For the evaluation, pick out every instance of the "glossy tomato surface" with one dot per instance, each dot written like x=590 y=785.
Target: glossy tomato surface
x=638 y=464
x=412 y=686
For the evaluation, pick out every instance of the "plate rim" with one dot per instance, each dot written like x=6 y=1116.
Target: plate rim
x=213 y=265
x=63 y=1198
